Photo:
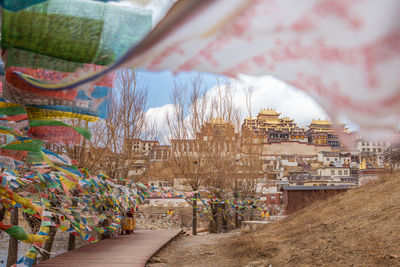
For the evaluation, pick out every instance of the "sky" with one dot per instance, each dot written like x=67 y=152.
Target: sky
x=161 y=84
x=269 y=92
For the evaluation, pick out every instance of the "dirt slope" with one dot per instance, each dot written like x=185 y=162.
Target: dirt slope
x=358 y=228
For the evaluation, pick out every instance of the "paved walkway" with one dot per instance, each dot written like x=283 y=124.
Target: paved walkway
x=124 y=250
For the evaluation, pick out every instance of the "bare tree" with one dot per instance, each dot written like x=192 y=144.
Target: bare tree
x=207 y=149
x=249 y=90
x=110 y=149
x=189 y=153
x=223 y=143
x=249 y=158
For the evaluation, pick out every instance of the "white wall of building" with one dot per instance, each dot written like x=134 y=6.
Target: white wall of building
x=370 y=146
x=334 y=172
x=336 y=160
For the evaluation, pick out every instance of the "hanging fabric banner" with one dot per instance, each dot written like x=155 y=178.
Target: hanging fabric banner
x=342 y=53
x=57 y=132
x=15 y=5
x=25 y=144
x=15 y=154
x=91 y=100
x=35 y=113
x=20 y=234
x=11 y=112
x=21 y=58
x=89 y=31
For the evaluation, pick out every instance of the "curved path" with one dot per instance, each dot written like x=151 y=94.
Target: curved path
x=124 y=250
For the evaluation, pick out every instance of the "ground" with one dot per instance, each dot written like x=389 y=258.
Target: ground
x=358 y=228
x=200 y=250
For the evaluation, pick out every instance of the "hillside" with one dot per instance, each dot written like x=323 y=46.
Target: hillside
x=358 y=228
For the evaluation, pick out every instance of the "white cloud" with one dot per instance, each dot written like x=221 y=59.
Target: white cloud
x=269 y=92
x=158 y=117
x=273 y=93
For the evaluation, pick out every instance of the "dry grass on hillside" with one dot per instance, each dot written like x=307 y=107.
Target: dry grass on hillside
x=358 y=228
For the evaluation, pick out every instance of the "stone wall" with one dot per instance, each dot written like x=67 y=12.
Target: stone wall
x=290 y=148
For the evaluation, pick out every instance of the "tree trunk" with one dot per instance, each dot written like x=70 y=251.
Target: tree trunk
x=105 y=234
x=71 y=242
x=251 y=214
x=194 y=218
x=71 y=237
x=2 y=212
x=237 y=225
x=213 y=226
x=224 y=218
x=236 y=196
x=13 y=243
x=236 y=218
x=48 y=245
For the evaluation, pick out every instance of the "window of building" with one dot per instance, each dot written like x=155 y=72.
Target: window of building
x=332 y=172
x=346 y=172
x=340 y=172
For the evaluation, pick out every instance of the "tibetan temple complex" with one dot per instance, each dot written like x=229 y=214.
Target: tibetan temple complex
x=320 y=132
x=269 y=126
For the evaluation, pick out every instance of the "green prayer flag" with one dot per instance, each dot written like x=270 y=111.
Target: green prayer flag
x=18 y=232
x=25 y=145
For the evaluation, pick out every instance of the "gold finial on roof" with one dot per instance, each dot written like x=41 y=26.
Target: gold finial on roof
x=269 y=111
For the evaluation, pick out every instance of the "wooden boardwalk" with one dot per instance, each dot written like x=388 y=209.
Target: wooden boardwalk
x=124 y=250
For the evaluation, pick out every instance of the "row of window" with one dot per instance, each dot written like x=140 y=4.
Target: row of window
x=371 y=149
x=336 y=159
x=279 y=136
x=340 y=172
x=372 y=144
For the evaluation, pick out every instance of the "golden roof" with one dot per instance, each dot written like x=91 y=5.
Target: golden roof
x=287 y=119
x=268 y=111
x=321 y=122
